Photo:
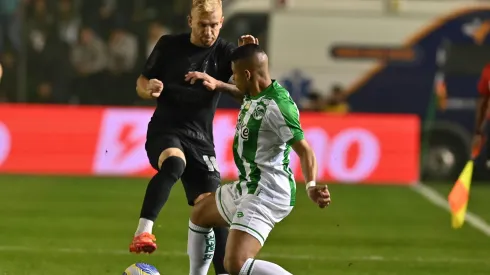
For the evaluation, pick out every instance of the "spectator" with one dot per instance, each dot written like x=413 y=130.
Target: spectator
x=122 y=57
x=68 y=22
x=314 y=102
x=155 y=31
x=100 y=15
x=55 y=72
x=10 y=23
x=39 y=24
x=337 y=101
x=89 y=59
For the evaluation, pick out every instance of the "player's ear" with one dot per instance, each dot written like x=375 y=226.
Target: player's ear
x=222 y=21
x=248 y=74
x=189 y=21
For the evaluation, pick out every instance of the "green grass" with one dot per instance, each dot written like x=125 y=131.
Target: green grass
x=75 y=226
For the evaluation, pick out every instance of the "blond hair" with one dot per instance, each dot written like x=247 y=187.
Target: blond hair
x=206 y=5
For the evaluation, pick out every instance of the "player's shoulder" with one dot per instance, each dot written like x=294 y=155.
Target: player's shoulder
x=279 y=100
x=173 y=40
x=281 y=95
x=224 y=46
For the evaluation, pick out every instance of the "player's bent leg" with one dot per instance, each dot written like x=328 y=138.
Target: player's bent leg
x=240 y=247
x=201 y=181
x=240 y=256
x=252 y=223
x=171 y=163
x=220 y=235
x=201 y=236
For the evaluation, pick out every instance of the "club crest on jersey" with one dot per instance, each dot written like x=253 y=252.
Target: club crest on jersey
x=259 y=112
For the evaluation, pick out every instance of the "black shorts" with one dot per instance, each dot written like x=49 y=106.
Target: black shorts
x=201 y=174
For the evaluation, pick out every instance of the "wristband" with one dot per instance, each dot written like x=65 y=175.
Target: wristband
x=310 y=184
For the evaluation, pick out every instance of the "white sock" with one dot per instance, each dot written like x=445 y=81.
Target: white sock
x=200 y=248
x=258 y=267
x=144 y=225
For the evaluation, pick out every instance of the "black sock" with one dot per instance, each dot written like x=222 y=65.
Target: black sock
x=158 y=189
x=220 y=235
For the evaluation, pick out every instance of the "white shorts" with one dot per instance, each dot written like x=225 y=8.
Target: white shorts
x=250 y=213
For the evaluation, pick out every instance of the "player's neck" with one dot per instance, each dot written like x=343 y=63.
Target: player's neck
x=261 y=85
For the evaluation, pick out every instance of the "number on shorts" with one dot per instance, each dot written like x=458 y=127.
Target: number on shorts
x=211 y=163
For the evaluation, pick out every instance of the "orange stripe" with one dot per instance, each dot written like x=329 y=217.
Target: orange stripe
x=414 y=39
x=458 y=197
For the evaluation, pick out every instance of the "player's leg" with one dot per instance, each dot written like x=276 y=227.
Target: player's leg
x=201 y=237
x=252 y=223
x=167 y=157
x=200 y=179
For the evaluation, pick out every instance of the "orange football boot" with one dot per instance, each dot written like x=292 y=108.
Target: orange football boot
x=143 y=243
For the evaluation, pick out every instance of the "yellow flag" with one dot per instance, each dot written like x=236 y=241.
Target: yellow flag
x=459 y=196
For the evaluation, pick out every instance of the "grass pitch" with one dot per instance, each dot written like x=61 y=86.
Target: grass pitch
x=75 y=226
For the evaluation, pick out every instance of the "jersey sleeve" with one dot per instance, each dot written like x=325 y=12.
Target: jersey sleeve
x=283 y=118
x=484 y=83
x=225 y=64
x=154 y=64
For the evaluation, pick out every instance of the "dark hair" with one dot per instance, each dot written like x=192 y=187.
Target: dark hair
x=246 y=51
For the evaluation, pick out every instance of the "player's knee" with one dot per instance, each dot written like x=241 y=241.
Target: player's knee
x=170 y=153
x=200 y=213
x=234 y=263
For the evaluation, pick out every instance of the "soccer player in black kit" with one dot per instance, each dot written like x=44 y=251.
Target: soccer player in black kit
x=186 y=73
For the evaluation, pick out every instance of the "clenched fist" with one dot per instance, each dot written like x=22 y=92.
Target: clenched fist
x=154 y=87
x=319 y=195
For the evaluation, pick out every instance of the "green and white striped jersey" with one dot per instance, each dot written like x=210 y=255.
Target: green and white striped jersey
x=268 y=124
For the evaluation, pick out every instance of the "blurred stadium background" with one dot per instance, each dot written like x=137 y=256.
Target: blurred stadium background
x=388 y=93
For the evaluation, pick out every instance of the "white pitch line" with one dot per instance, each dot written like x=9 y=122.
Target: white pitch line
x=437 y=199
x=179 y=254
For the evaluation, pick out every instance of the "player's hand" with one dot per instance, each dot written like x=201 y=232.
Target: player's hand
x=154 y=87
x=208 y=81
x=319 y=195
x=247 y=39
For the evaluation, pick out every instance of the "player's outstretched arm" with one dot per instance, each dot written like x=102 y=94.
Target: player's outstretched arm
x=318 y=194
x=213 y=84
x=232 y=90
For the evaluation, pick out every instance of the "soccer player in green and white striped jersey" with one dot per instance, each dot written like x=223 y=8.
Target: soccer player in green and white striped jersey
x=267 y=129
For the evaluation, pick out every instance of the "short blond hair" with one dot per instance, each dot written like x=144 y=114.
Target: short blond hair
x=206 y=5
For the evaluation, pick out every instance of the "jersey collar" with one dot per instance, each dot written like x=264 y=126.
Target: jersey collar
x=267 y=90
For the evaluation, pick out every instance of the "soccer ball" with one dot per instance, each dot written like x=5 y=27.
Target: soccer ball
x=141 y=269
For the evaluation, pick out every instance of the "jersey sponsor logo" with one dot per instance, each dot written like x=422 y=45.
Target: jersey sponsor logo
x=5 y=142
x=259 y=112
x=244 y=132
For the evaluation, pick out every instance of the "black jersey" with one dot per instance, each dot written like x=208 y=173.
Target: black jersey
x=186 y=109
